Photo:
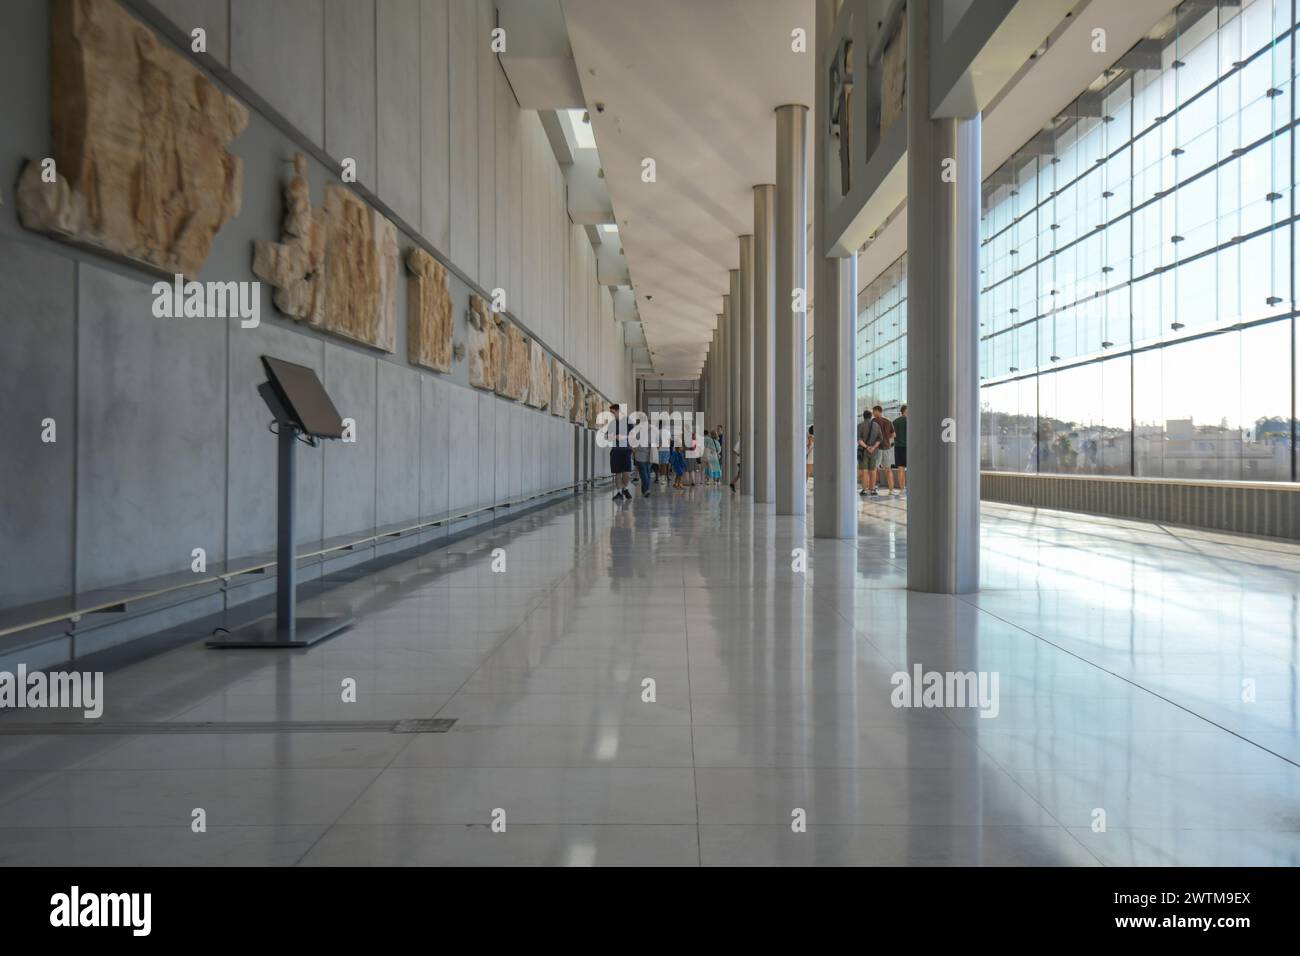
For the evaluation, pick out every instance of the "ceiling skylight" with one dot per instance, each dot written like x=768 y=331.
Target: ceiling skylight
x=583 y=137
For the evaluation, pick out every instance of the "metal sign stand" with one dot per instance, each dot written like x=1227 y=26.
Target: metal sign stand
x=286 y=629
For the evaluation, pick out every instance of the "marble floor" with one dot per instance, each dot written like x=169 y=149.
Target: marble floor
x=1147 y=710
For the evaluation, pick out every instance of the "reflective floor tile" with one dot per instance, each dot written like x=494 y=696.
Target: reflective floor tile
x=250 y=751
x=519 y=845
x=549 y=745
x=1122 y=846
x=470 y=795
x=597 y=710
x=546 y=679
x=959 y=796
x=152 y=798
x=925 y=741
x=734 y=845
x=1101 y=752
x=316 y=706
x=1142 y=799
x=157 y=846
x=60 y=752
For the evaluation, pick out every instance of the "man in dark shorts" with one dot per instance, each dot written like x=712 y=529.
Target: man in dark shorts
x=869 y=439
x=900 y=449
x=620 y=454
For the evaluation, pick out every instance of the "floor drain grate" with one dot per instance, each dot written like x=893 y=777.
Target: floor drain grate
x=422 y=725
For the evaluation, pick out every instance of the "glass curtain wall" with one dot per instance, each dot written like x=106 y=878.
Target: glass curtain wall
x=882 y=341
x=1137 y=311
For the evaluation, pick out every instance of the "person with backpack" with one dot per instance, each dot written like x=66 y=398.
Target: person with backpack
x=869 y=439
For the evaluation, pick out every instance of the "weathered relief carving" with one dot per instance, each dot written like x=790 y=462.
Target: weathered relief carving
x=140 y=161
x=515 y=364
x=520 y=363
x=334 y=267
x=360 y=271
x=539 y=376
x=295 y=265
x=388 y=256
x=560 y=392
x=428 y=311
x=499 y=347
x=567 y=408
x=482 y=344
x=894 y=78
x=577 y=401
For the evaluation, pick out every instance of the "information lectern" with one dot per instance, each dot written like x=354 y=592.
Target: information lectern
x=303 y=412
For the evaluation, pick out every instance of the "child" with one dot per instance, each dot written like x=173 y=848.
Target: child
x=677 y=459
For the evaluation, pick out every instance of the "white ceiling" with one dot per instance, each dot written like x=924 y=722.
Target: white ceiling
x=693 y=85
